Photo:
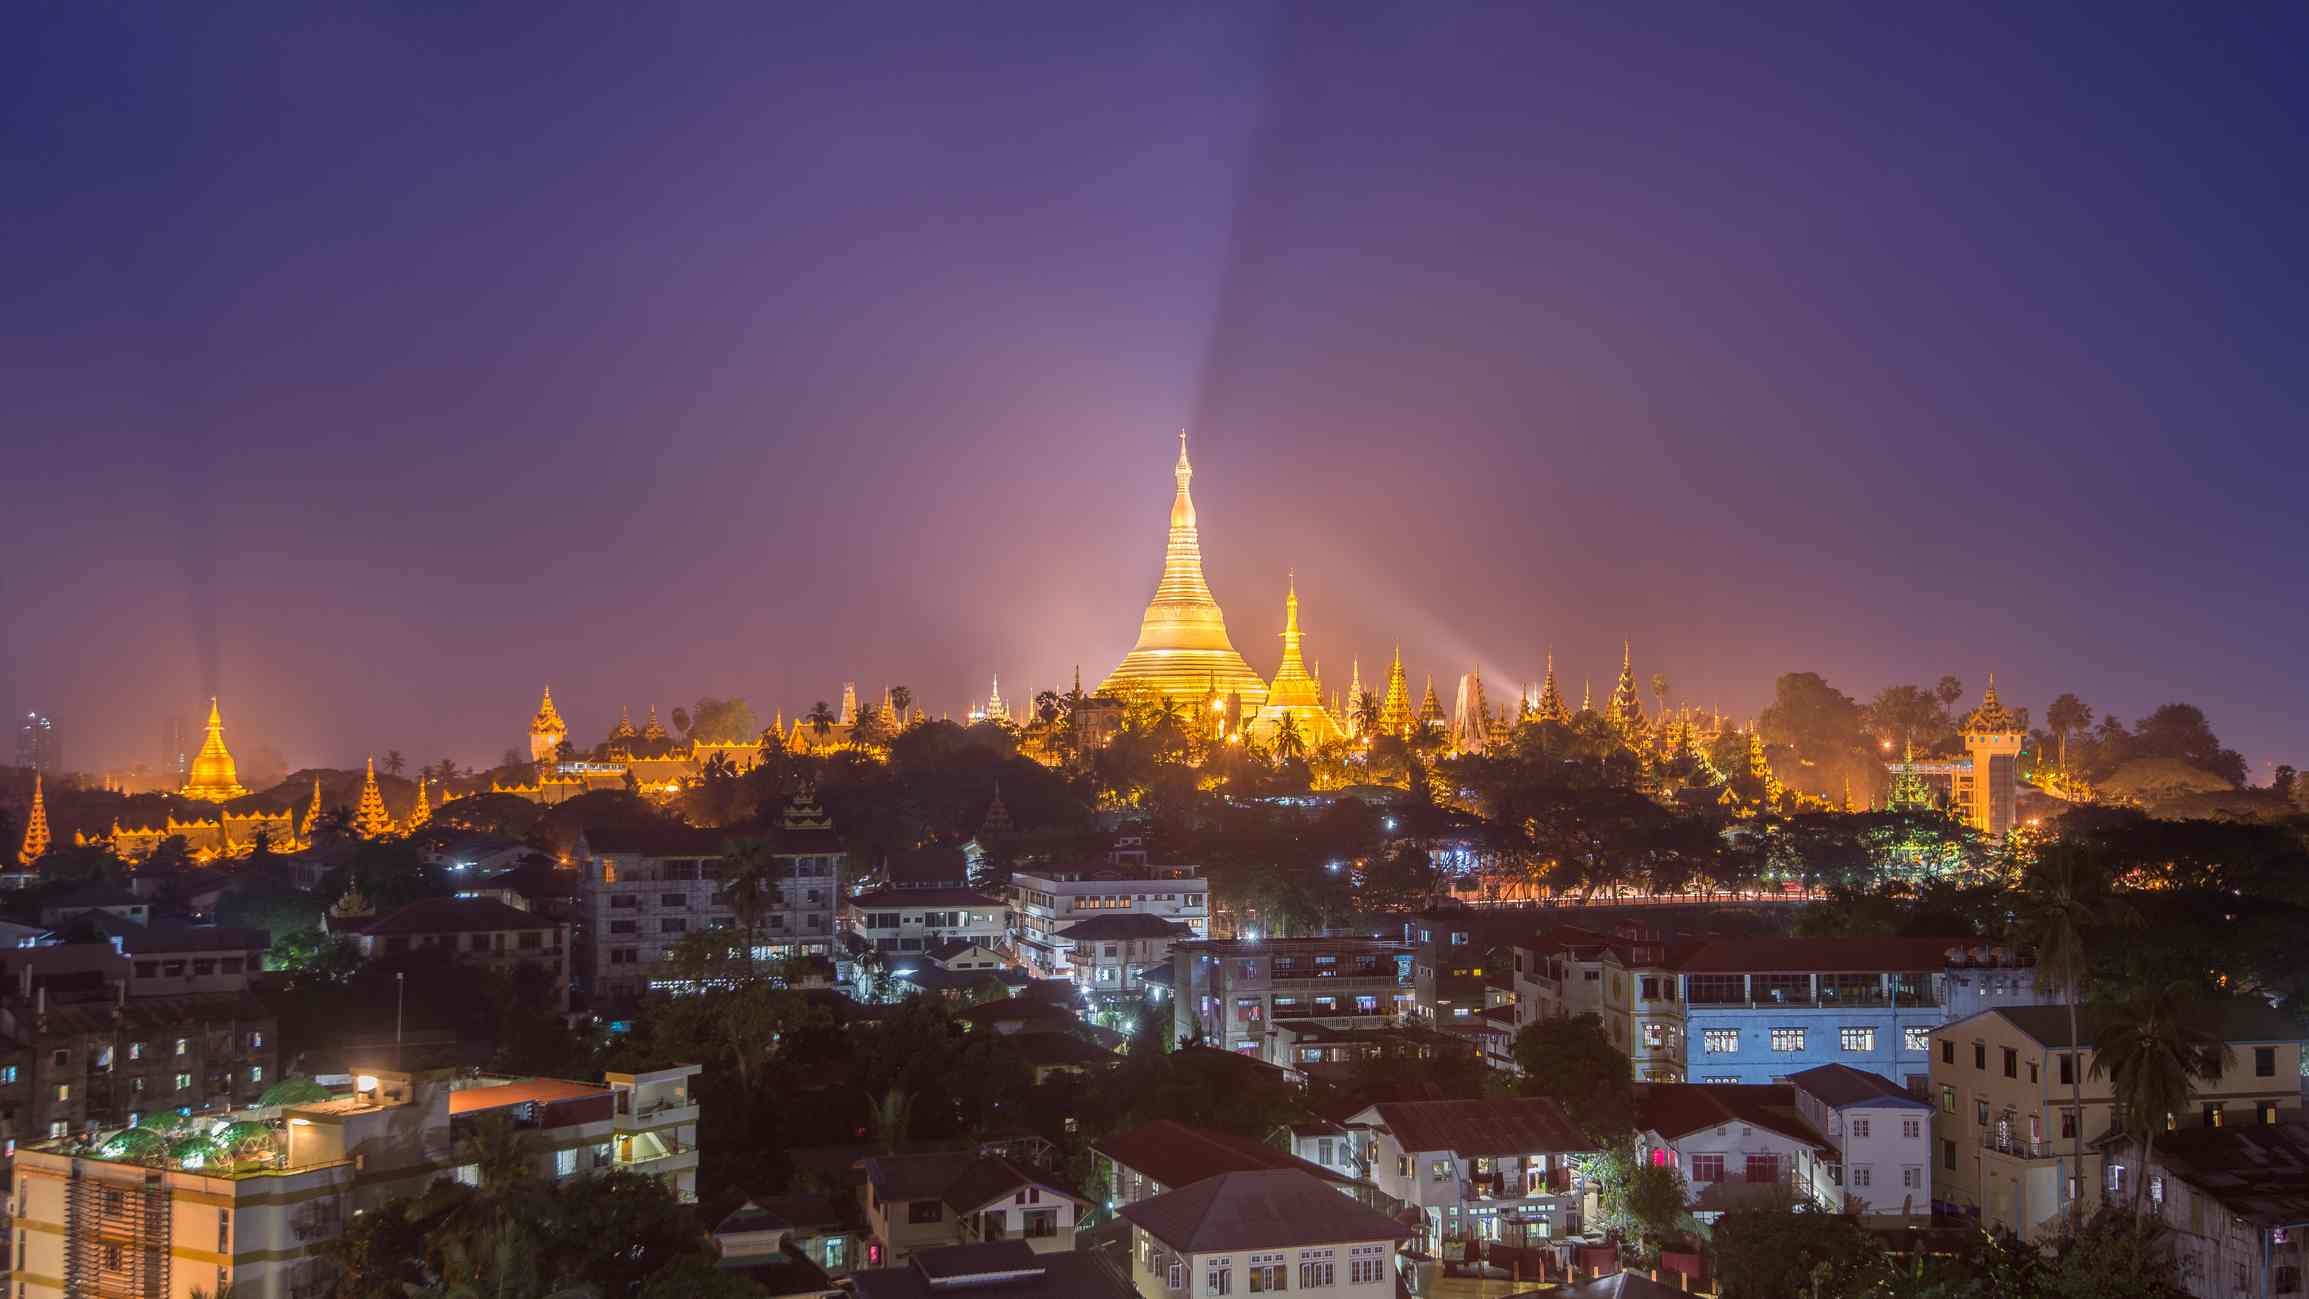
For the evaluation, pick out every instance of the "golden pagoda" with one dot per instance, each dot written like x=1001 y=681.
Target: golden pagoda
x=214 y=778
x=1295 y=693
x=1550 y=706
x=547 y=731
x=1353 y=714
x=421 y=811
x=624 y=728
x=651 y=731
x=1625 y=709
x=369 y=819
x=313 y=813
x=1183 y=652
x=35 y=827
x=1431 y=708
x=1395 y=706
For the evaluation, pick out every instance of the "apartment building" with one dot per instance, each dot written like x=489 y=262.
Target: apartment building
x=1882 y=1137
x=1480 y=1170
x=2005 y=1130
x=1107 y=954
x=481 y=932
x=251 y=1198
x=911 y=921
x=1255 y=1232
x=1046 y=900
x=1233 y=993
x=644 y=888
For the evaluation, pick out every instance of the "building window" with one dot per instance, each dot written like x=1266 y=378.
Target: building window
x=1707 y=1168
x=565 y=1163
x=184 y=1082
x=1980 y=1111
x=1947 y=1051
x=2067 y=1070
x=2011 y=1063
x=1912 y=1179
x=2068 y=1125
x=1948 y=1154
x=1948 y=1100
x=7 y=1073
x=1218 y=1276
x=1916 y=1039
x=63 y=1092
x=924 y=1211
x=1787 y=1039
x=1860 y=1127
x=1315 y=1269
x=1366 y=1264
x=1720 y=1041
x=1267 y=1273
x=183 y=1046
x=2213 y=1115
x=2264 y=1062
x=256 y=1073
x=1861 y=1174
x=1980 y=1055
x=1041 y=1224
x=1762 y=1168
x=1857 y=1039
x=1910 y=1129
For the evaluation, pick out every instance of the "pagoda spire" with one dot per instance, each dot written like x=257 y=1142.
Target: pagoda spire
x=313 y=813
x=849 y=715
x=546 y=730
x=1625 y=708
x=1430 y=708
x=1295 y=692
x=421 y=811
x=1182 y=639
x=369 y=819
x=624 y=728
x=652 y=730
x=1395 y=708
x=1551 y=706
x=35 y=843
x=1587 y=696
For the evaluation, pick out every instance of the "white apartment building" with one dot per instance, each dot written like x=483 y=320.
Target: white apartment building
x=1739 y=1145
x=1882 y=1137
x=1045 y=900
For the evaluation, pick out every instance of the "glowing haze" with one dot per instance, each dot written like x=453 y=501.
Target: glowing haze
x=377 y=365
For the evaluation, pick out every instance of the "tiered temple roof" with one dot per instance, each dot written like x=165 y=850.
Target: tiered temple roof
x=1183 y=652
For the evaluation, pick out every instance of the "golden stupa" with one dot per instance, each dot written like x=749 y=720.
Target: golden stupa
x=213 y=778
x=1295 y=693
x=1182 y=651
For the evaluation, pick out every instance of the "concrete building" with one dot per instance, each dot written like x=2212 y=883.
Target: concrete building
x=1480 y=1170
x=2004 y=1129
x=1045 y=900
x=1882 y=1137
x=2235 y=1199
x=644 y=888
x=251 y=1198
x=921 y=1202
x=1256 y=1232
x=1232 y=993
x=1740 y=1146
x=1106 y=954
x=905 y=922
x=481 y=932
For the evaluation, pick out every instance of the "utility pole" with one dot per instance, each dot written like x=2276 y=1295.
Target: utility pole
x=400 y=981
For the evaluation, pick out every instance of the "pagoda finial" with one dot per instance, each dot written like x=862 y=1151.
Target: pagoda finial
x=1185 y=470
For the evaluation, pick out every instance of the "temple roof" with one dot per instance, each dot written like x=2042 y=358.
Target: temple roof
x=1991 y=717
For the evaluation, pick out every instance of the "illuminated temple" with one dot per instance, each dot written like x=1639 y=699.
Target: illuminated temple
x=1295 y=693
x=214 y=777
x=1183 y=652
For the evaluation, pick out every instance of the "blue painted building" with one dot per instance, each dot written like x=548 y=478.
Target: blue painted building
x=1757 y=1010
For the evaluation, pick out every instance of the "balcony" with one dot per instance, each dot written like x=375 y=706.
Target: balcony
x=672 y=1160
x=2020 y=1147
x=660 y=1115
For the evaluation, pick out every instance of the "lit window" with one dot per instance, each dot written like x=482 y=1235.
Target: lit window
x=1916 y=1039
x=1787 y=1039
x=1857 y=1039
x=1218 y=1276
x=1720 y=1041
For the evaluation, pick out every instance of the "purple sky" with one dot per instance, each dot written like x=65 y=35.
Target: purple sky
x=379 y=365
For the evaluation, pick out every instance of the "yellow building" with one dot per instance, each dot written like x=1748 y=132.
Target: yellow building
x=546 y=730
x=2004 y=1129
x=1183 y=652
x=1984 y=784
x=227 y=834
x=214 y=778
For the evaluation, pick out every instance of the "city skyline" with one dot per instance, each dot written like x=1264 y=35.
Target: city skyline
x=1836 y=348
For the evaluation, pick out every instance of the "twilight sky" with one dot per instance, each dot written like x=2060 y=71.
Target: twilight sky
x=376 y=365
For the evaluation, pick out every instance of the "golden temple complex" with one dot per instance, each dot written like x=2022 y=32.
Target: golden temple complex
x=546 y=731
x=369 y=818
x=214 y=778
x=1183 y=652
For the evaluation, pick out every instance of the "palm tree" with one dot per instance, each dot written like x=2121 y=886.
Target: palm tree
x=473 y=1217
x=753 y=887
x=1289 y=744
x=821 y=719
x=1367 y=713
x=1660 y=691
x=445 y=770
x=2151 y=1053
x=866 y=732
x=394 y=762
x=2063 y=893
x=902 y=701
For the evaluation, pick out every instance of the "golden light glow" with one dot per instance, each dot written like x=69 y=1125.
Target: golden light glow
x=214 y=778
x=1183 y=651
